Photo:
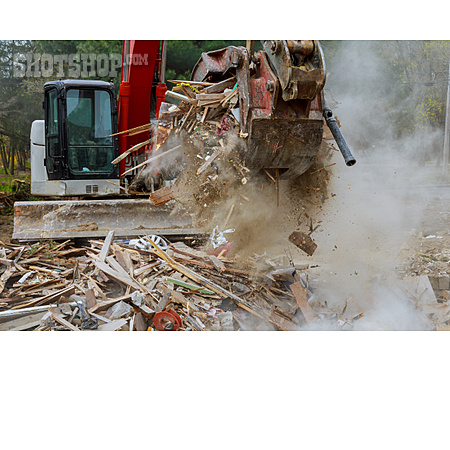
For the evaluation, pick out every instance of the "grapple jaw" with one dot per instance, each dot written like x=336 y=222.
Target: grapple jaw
x=280 y=101
x=290 y=145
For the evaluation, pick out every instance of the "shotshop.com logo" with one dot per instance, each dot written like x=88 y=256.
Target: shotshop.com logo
x=76 y=65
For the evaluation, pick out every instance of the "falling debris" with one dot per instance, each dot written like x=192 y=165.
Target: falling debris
x=303 y=241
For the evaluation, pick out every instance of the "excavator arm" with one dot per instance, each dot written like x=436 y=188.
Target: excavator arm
x=281 y=101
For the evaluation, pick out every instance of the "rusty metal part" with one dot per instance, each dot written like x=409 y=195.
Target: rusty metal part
x=216 y=65
x=289 y=144
x=305 y=48
x=303 y=79
x=94 y=218
x=280 y=105
x=243 y=79
x=167 y=321
x=283 y=135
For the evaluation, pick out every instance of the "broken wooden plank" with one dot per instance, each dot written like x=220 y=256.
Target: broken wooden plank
x=60 y=319
x=66 y=292
x=163 y=195
x=300 y=296
x=218 y=264
x=122 y=277
x=5 y=277
x=112 y=261
x=96 y=286
x=112 y=326
x=7 y=262
x=107 y=303
x=220 y=86
x=131 y=150
x=210 y=97
x=23 y=322
x=98 y=316
x=106 y=245
x=209 y=161
x=140 y=322
x=151 y=159
x=26 y=326
x=124 y=259
x=91 y=300
x=303 y=241
x=145 y=268
x=12 y=314
x=144 y=127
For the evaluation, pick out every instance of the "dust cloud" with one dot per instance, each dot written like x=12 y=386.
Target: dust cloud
x=373 y=206
x=360 y=216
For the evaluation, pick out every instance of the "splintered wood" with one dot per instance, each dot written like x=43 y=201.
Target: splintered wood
x=114 y=285
x=202 y=105
x=145 y=285
x=303 y=241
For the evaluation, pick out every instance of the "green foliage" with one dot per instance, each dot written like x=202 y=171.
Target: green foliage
x=20 y=104
x=421 y=67
x=183 y=55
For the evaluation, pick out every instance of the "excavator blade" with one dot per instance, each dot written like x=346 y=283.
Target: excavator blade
x=72 y=219
x=290 y=144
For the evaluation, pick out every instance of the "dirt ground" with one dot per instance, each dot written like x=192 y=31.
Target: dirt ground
x=6 y=228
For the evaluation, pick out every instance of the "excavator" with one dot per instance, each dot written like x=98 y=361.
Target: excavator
x=281 y=114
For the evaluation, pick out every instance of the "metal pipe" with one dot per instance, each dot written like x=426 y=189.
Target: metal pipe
x=162 y=74
x=338 y=137
x=126 y=59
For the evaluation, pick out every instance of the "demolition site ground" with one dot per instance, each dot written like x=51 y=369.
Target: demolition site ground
x=378 y=260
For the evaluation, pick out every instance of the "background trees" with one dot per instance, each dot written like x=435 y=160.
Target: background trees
x=382 y=90
x=391 y=94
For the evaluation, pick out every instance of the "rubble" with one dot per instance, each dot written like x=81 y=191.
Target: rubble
x=112 y=285
x=151 y=284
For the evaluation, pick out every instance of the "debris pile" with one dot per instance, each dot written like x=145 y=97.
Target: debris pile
x=143 y=284
x=152 y=284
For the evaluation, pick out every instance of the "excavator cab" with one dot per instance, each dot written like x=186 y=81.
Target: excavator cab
x=80 y=116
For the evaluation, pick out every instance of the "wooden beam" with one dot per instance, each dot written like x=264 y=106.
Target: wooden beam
x=106 y=245
x=60 y=319
x=153 y=158
x=209 y=161
x=220 y=86
x=300 y=296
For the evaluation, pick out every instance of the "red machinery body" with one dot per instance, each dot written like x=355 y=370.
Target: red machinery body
x=141 y=91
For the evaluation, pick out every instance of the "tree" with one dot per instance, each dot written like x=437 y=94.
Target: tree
x=19 y=104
